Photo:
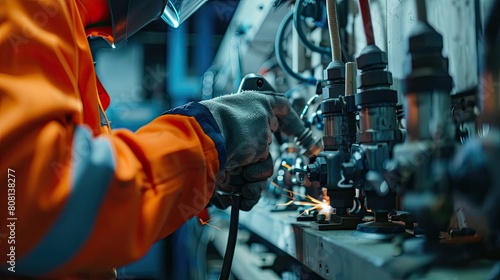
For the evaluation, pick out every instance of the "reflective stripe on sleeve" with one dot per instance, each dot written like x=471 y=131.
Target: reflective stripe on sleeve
x=93 y=165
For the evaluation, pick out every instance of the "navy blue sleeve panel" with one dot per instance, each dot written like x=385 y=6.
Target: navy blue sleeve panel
x=207 y=122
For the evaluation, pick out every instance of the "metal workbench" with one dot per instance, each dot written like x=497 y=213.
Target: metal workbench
x=342 y=255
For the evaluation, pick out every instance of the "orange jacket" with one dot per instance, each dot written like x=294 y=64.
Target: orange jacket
x=86 y=200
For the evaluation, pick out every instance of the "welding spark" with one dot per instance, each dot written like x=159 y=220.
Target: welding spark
x=290 y=193
x=320 y=206
x=205 y=223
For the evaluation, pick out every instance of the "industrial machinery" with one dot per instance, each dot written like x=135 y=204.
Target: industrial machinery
x=407 y=181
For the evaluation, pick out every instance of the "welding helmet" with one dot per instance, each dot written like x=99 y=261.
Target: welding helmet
x=129 y=16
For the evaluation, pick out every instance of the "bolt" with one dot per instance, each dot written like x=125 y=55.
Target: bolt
x=260 y=83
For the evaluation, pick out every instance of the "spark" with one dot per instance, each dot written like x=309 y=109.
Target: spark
x=291 y=193
x=205 y=223
x=315 y=207
x=315 y=203
x=288 y=196
x=285 y=204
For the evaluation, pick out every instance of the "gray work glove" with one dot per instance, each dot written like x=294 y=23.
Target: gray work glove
x=251 y=179
x=247 y=121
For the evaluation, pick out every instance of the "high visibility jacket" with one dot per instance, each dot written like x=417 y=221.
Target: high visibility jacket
x=86 y=200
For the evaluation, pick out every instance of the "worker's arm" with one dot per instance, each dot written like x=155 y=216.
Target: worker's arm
x=84 y=201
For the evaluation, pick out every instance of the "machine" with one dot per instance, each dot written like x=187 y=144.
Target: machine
x=405 y=98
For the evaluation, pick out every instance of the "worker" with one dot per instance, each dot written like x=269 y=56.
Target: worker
x=80 y=199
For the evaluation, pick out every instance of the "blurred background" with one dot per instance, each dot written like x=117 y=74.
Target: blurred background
x=160 y=67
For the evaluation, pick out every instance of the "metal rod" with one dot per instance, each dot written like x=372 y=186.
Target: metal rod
x=350 y=78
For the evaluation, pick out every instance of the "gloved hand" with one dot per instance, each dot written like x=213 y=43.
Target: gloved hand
x=247 y=121
x=252 y=180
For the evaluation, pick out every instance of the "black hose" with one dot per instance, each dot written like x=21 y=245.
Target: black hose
x=280 y=56
x=299 y=7
x=231 y=240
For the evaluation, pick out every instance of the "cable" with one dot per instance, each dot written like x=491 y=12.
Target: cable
x=364 y=7
x=306 y=107
x=299 y=8
x=333 y=28
x=231 y=240
x=278 y=49
x=341 y=183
